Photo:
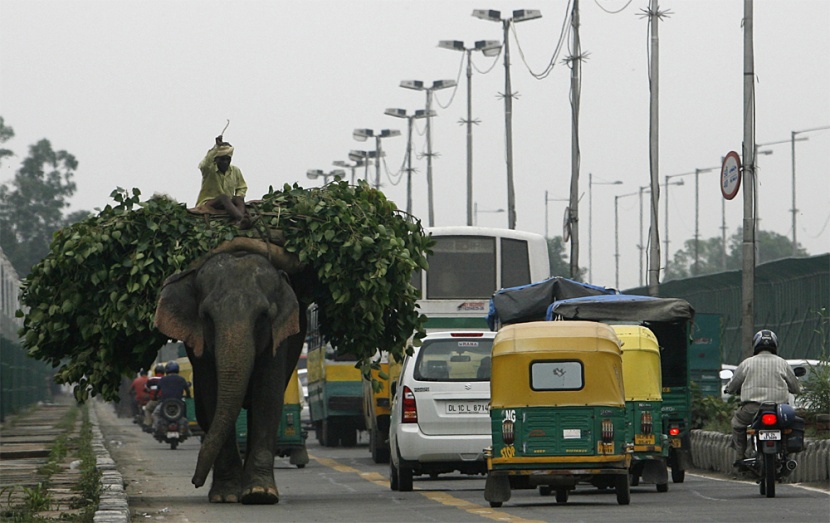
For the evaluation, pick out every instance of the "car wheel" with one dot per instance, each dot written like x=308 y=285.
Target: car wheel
x=393 y=476
x=405 y=479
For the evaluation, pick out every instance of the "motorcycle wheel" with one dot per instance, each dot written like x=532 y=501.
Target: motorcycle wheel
x=174 y=444
x=768 y=480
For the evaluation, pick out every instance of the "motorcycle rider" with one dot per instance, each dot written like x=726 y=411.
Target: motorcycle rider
x=139 y=395
x=763 y=378
x=171 y=386
x=152 y=389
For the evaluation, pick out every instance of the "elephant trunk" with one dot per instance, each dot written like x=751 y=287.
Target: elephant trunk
x=234 y=364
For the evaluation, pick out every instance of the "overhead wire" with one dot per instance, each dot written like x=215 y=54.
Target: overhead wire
x=620 y=10
x=563 y=34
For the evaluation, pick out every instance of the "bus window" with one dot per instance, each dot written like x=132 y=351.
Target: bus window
x=515 y=263
x=462 y=267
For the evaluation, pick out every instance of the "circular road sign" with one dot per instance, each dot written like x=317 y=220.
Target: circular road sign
x=730 y=175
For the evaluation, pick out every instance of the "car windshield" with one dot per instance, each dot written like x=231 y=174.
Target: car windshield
x=456 y=359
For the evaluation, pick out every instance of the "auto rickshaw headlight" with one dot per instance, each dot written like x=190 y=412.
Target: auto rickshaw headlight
x=507 y=432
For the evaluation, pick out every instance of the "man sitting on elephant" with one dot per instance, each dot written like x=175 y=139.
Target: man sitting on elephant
x=223 y=186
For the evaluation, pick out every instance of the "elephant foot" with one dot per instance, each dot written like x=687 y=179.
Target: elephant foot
x=260 y=496
x=224 y=493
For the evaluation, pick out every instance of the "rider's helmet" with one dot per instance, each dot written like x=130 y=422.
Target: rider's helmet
x=765 y=340
x=172 y=367
x=159 y=369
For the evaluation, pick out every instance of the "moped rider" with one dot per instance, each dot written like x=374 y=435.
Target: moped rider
x=763 y=378
x=171 y=386
x=152 y=389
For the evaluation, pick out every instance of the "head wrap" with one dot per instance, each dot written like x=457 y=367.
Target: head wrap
x=225 y=149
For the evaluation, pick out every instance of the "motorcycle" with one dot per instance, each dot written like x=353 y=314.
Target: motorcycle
x=774 y=434
x=171 y=425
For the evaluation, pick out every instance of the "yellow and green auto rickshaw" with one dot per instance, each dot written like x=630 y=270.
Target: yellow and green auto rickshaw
x=557 y=411
x=643 y=405
x=376 y=405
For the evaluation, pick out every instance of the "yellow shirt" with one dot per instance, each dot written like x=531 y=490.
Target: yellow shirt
x=215 y=183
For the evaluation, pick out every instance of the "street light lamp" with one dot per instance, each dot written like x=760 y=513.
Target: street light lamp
x=591 y=183
x=488 y=48
x=519 y=15
x=401 y=113
x=313 y=174
x=666 y=185
x=437 y=85
x=352 y=166
x=361 y=135
x=475 y=214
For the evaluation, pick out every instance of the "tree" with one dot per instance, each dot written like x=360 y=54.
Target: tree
x=31 y=205
x=770 y=246
x=559 y=264
x=6 y=134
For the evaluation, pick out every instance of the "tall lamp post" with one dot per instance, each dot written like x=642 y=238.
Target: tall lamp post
x=489 y=48
x=352 y=166
x=361 y=135
x=666 y=185
x=695 y=270
x=437 y=85
x=476 y=211
x=313 y=174
x=401 y=113
x=365 y=158
x=617 y=237
x=591 y=183
x=794 y=210
x=519 y=15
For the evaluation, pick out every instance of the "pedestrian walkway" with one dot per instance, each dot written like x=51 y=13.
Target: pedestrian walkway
x=40 y=466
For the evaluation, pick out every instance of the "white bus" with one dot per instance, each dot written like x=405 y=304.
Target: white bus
x=468 y=264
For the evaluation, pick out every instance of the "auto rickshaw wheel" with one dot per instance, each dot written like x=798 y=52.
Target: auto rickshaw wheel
x=561 y=495
x=677 y=475
x=663 y=487
x=622 y=489
x=634 y=480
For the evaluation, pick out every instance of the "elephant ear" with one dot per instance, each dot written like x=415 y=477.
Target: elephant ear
x=177 y=311
x=287 y=321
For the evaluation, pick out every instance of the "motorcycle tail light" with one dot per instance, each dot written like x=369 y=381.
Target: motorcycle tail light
x=508 y=434
x=607 y=431
x=769 y=419
x=646 y=423
x=409 y=413
x=173 y=427
x=674 y=431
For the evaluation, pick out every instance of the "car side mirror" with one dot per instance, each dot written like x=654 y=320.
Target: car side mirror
x=726 y=374
x=800 y=372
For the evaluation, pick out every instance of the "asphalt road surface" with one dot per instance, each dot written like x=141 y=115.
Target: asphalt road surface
x=344 y=485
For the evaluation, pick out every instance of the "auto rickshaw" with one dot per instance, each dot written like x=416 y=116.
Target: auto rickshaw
x=643 y=405
x=290 y=436
x=557 y=411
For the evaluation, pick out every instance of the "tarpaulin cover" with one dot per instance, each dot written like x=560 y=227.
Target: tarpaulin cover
x=530 y=302
x=621 y=307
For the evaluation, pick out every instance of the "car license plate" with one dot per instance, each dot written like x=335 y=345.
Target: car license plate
x=466 y=407
x=172 y=435
x=644 y=439
x=769 y=435
x=676 y=443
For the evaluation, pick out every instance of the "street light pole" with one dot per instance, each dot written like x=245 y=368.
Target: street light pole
x=313 y=174
x=476 y=211
x=695 y=271
x=362 y=135
x=401 y=113
x=591 y=183
x=352 y=166
x=794 y=209
x=418 y=85
x=666 y=184
x=519 y=15
x=365 y=158
x=617 y=237
x=486 y=46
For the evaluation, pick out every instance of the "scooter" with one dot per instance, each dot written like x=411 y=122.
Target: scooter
x=171 y=425
x=774 y=434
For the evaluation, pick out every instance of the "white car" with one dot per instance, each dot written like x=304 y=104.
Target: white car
x=801 y=368
x=440 y=417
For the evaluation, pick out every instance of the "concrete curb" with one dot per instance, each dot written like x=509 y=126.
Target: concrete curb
x=713 y=451
x=112 y=506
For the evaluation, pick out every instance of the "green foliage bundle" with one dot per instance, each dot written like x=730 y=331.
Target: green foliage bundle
x=91 y=300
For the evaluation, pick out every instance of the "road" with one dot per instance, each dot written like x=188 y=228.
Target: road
x=343 y=484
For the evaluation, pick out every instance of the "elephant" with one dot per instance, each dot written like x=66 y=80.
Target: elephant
x=243 y=328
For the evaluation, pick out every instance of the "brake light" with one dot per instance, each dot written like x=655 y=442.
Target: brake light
x=508 y=434
x=466 y=334
x=607 y=431
x=769 y=419
x=674 y=431
x=646 y=423
x=409 y=413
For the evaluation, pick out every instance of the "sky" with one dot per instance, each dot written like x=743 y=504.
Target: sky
x=137 y=91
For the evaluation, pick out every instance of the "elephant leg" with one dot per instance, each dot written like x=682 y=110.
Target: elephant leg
x=258 y=484
x=227 y=474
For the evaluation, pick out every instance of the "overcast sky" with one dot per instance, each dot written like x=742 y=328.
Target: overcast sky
x=137 y=91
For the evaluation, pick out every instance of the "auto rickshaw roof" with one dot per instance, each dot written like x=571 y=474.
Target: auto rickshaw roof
x=636 y=337
x=556 y=336
x=621 y=307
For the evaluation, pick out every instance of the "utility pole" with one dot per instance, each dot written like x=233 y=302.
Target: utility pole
x=573 y=207
x=654 y=15
x=748 y=186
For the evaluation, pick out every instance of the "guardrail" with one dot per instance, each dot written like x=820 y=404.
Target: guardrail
x=713 y=451
x=23 y=380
